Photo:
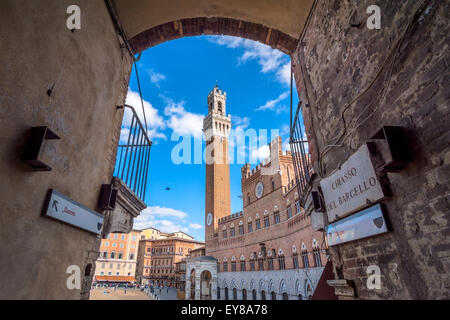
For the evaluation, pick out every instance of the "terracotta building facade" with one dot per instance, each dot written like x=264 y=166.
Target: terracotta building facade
x=159 y=254
x=117 y=258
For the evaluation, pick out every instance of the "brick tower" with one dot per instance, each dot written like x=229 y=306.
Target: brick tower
x=216 y=128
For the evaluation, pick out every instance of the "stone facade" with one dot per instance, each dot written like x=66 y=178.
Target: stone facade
x=54 y=77
x=295 y=284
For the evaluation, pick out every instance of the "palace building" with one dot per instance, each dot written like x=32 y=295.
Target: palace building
x=159 y=254
x=267 y=251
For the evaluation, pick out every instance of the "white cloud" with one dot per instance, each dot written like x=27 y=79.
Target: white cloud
x=270 y=60
x=237 y=136
x=284 y=74
x=195 y=226
x=164 y=212
x=260 y=154
x=286 y=145
x=273 y=104
x=155 y=122
x=162 y=225
x=156 y=77
x=159 y=218
x=182 y=121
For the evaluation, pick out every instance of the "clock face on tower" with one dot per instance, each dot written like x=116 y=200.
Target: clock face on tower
x=259 y=189
x=209 y=219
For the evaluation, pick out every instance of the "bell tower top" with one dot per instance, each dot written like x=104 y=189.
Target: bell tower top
x=217 y=122
x=217 y=101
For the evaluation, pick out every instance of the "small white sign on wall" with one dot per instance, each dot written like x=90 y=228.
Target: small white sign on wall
x=352 y=187
x=64 y=209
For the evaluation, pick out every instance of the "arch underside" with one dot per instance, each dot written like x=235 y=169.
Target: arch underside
x=213 y=26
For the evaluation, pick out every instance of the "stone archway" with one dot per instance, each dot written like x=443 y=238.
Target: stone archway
x=201 y=278
x=148 y=23
x=205 y=285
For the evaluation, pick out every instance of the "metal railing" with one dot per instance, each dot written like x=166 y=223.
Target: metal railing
x=300 y=159
x=133 y=157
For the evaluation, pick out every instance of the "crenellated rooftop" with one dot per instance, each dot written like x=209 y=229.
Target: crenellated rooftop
x=231 y=217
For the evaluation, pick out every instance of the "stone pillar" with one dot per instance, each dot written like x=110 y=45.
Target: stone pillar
x=213 y=288
x=222 y=293
x=197 y=285
x=239 y=294
x=187 y=290
x=279 y=296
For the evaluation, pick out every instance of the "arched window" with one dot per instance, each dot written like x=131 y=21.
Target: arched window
x=254 y=294
x=224 y=232
x=261 y=264
x=297 y=207
x=295 y=260
x=273 y=295
x=226 y=293
x=258 y=224
x=225 y=266
x=250 y=226
x=252 y=263
x=218 y=293
x=243 y=267
x=317 y=260
x=285 y=296
x=300 y=297
x=233 y=266
x=219 y=107
x=266 y=222
x=289 y=212
x=281 y=262
x=305 y=256
x=248 y=198
x=270 y=263
x=232 y=232
x=241 y=229
x=276 y=217
x=244 y=294
x=235 y=294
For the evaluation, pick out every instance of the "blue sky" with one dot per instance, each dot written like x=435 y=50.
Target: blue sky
x=176 y=78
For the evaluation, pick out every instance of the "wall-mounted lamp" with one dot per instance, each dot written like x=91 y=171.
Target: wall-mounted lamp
x=34 y=147
x=108 y=197
x=391 y=143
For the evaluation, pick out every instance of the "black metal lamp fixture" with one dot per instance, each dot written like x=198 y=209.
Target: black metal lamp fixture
x=34 y=147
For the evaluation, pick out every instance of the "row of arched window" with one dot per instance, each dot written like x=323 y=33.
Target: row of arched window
x=274 y=260
x=254 y=296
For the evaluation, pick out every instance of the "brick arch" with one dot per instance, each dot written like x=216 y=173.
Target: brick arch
x=213 y=26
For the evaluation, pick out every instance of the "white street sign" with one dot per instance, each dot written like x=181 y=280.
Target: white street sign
x=352 y=187
x=61 y=208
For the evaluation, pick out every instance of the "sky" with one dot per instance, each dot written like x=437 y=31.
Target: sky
x=175 y=79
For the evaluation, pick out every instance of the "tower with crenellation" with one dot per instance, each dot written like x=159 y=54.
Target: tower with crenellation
x=216 y=128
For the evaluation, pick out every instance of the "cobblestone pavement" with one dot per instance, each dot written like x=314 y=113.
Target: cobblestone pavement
x=119 y=294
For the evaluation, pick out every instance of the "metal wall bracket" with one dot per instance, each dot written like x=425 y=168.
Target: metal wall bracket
x=34 y=147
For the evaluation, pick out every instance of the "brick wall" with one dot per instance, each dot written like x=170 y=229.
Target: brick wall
x=339 y=62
